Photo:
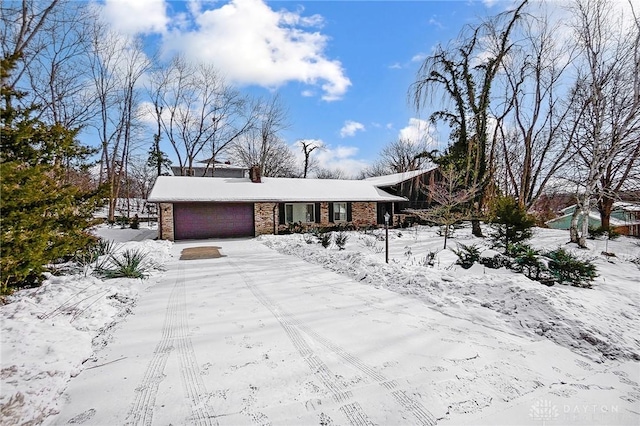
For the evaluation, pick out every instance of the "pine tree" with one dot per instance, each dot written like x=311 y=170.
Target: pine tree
x=510 y=222
x=44 y=216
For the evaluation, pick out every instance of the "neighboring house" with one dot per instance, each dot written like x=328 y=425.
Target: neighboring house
x=217 y=169
x=625 y=218
x=198 y=208
x=413 y=186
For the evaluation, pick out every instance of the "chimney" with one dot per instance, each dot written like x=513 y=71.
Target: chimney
x=254 y=174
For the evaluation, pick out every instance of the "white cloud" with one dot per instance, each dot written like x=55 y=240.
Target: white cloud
x=418 y=130
x=253 y=44
x=342 y=158
x=436 y=23
x=350 y=128
x=133 y=17
x=419 y=57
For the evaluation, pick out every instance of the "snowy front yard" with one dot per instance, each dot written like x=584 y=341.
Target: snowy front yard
x=261 y=337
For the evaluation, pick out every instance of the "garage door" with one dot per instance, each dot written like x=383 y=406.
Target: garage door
x=212 y=220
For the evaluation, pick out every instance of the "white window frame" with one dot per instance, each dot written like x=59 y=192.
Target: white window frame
x=302 y=214
x=340 y=212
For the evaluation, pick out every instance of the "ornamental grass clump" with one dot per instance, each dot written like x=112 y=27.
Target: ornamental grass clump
x=341 y=239
x=325 y=239
x=128 y=264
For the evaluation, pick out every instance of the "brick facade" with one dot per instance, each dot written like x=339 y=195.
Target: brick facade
x=265 y=216
x=166 y=222
x=364 y=214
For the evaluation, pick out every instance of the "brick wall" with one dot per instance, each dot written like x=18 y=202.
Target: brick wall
x=264 y=216
x=166 y=221
x=364 y=213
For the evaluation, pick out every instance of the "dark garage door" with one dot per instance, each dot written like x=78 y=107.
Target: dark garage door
x=212 y=220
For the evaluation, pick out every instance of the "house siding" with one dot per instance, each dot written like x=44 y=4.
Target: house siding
x=166 y=222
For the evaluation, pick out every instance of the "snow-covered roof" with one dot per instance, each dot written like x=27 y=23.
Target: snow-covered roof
x=618 y=205
x=203 y=189
x=396 y=178
x=624 y=205
x=593 y=216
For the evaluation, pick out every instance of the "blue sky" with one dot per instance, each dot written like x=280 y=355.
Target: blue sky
x=342 y=68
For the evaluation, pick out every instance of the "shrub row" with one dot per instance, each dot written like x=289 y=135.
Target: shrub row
x=548 y=267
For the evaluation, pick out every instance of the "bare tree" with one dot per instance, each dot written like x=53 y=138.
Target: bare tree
x=451 y=198
x=21 y=25
x=462 y=76
x=58 y=75
x=116 y=64
x=308 y=146
x=326 y=173
x=201 y=114
x=262 y=145
x=530 y=136
x=609 y=87
x=404 y=155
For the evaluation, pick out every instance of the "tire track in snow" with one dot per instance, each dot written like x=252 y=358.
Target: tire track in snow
x=174 y=336
x=352 y=411
x=409 y=404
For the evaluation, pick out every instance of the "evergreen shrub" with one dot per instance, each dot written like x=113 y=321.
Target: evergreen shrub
x=467 y=255
x=511 y=223
x=567 y=268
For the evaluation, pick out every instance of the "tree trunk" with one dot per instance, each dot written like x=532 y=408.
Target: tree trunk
x=582 y=241
x=573 y=228
x=475 y=228
x=446 y=235
x=605 y=206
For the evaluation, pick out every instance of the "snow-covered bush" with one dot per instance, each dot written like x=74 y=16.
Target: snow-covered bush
x=496 y=262
x=567 y=268
x=341 y=239
x=309 y=238
x=527 y=261
x=467 y=255
x=325 y=239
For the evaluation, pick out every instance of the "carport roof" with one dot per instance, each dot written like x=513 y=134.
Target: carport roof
x=173 y=189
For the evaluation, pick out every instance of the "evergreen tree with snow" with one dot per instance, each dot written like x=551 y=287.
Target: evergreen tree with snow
x=44 y=215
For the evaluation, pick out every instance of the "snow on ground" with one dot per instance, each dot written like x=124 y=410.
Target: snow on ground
x=600 y=323
x=50 y=331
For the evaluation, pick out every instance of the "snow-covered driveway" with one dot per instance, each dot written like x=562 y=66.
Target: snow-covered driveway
x=257 y=337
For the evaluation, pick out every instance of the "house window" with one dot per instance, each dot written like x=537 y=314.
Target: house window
x=299 y=212
x=339 y=212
